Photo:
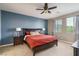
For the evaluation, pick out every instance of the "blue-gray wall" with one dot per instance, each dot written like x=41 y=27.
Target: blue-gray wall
x=10 y=21
x=0 y=26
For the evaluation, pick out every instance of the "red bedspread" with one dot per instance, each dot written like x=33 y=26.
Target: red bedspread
x=37 y=40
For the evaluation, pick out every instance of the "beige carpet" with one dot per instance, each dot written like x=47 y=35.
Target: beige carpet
x=63 y=49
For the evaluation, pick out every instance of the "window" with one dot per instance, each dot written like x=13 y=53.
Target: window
x=69 y=24
x=58 y=25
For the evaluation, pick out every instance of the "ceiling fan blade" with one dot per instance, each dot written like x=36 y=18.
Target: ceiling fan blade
x=49 y=11
x=39 y=9
x=42 y=12
x=52 y=7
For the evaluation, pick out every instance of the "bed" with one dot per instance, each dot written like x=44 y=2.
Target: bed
x=39 y=42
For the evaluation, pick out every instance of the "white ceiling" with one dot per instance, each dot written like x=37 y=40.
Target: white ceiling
x=30 y=9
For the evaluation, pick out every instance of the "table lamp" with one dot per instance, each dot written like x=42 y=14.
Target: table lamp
x=18 y=31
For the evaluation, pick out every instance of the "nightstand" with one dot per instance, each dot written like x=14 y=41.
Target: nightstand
x=18 y=40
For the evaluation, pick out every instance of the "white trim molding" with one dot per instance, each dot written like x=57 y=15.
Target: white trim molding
x=6 y=45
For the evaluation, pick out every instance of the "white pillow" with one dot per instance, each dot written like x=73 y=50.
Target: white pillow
x=32 y=33
x=25 y=37
x=35 y=33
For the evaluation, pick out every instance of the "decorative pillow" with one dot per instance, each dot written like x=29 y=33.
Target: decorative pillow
x=27 y=33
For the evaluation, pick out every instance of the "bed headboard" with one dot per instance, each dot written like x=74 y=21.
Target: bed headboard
x=30 y=29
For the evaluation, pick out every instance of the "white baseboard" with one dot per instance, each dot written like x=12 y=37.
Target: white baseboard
x=6 y=45
x=66 y=41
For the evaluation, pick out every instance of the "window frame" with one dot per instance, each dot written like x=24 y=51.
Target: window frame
x=58 y=30
x=71 y=29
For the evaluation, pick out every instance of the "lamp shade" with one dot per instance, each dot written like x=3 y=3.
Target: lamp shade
x=18 y=29
x=43 y=29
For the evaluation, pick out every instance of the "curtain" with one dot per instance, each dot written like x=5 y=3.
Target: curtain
x=77 y=28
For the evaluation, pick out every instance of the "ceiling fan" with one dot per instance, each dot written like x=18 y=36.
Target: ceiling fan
x=46 y=9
